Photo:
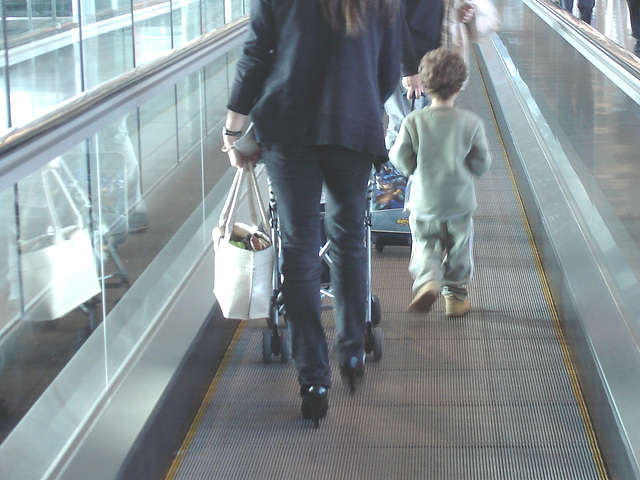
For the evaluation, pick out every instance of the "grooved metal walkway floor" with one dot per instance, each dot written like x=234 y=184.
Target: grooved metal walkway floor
x=487 y=396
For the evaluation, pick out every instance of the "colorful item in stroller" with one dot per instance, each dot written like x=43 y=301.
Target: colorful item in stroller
x=389 y=219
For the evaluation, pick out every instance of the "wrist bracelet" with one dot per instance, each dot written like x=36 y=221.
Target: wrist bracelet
x=231 y=133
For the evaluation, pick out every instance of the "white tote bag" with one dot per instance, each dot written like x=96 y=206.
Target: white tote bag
x=58 y=269
x=244 y=255
x=485 y=21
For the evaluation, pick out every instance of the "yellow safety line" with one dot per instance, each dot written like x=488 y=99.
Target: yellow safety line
x=197 y=420
x=555 y=317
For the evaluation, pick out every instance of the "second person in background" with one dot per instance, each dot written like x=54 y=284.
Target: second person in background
x=314 y=75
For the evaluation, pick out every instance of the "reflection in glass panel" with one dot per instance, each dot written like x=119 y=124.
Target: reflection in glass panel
x=9 y=287
x=152 y=32
x=217 y=78
x=187 y=23
x=125 y=202
x=113 y=8
x=158 y=141
x=32 y=93
x=107 y=50
x=4 y=119
x=53 y=284
x=213 y=15
x=189 y=96
x=29 y=16
x=238 y=9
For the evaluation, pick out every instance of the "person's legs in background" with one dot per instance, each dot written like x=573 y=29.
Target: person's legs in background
x=634 y=17
x=585 y=7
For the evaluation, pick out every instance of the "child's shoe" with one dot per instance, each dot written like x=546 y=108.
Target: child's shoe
x=426 y=296
x=456 y=307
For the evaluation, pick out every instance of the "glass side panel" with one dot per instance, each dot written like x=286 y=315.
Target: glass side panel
x=50 y=262
x=594 y=122
x=190 y=114
x=124 y=201
x=153 y=29
x=33 y=94
x=51 y=36
x=9 y=287
x=212 y=15
x=187 y=21
x=107 y=49
x=4 y=104
x=158 y=140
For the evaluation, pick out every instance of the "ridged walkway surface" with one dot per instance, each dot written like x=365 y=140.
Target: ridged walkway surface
x=486 y=396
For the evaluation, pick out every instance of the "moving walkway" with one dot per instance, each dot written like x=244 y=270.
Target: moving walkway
x=539 y=381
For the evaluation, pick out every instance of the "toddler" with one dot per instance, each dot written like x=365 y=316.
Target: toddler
x=443 y=147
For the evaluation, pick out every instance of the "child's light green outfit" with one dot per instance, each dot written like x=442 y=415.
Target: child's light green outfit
x=443 y=148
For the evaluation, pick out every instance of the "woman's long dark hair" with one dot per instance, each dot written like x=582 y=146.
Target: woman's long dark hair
x=348 y=15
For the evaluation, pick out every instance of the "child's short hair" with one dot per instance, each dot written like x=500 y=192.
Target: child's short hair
x=442 y=72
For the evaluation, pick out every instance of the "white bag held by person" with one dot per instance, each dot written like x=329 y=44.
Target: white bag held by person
x=244 y=255
x=485 y=21
x=58 y=268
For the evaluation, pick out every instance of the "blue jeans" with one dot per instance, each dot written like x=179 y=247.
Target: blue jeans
x=297 y=177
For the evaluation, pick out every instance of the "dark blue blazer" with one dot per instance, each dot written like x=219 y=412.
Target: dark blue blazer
x=304 y=84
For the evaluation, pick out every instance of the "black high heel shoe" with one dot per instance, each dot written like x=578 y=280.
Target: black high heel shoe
x=315 y=403
x=351 y=370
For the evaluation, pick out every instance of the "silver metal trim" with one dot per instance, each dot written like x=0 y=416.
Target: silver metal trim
x=616 y=63
x=596 y=313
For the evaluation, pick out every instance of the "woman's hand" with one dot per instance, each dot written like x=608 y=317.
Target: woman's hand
x=466 y=13
x=236 y=159
x=231 y=132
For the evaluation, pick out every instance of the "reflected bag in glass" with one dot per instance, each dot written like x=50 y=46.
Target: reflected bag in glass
x=244 y=255
x=59 y=268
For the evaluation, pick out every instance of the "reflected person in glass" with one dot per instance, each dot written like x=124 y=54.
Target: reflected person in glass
x=585 y=8
x=634 y=17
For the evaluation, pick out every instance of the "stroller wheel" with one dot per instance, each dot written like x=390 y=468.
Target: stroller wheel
x=275 y=345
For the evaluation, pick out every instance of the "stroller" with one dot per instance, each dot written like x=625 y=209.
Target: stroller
x=275 y=340
x=389 y=220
